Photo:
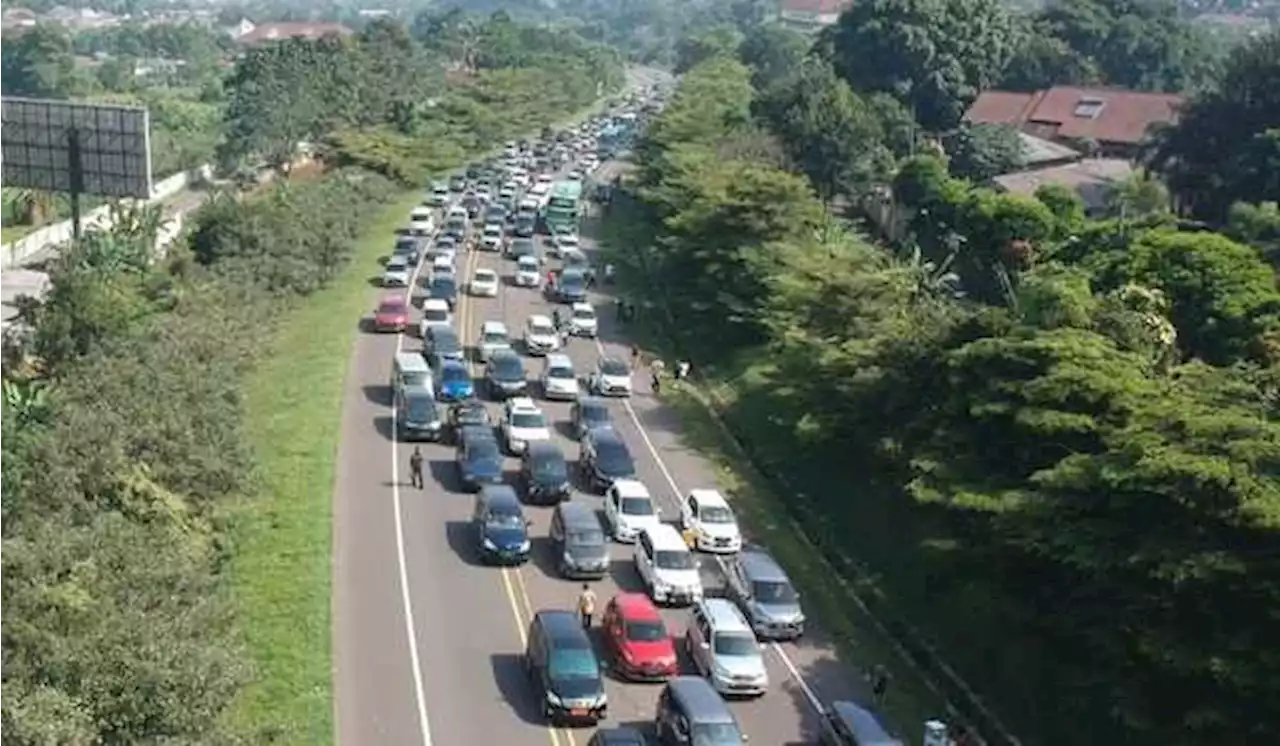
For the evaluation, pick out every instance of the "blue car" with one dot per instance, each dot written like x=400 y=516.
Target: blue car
x=453 y=381
x=479 y=459
x=502 y=531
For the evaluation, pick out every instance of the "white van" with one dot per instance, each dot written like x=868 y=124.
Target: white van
x=435 y=312
x=410 y=371
x=667 y=567
x=422 y=221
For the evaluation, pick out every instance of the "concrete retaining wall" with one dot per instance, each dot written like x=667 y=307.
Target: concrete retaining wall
x=15 y=253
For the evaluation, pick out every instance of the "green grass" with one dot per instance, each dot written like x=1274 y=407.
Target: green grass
x=11 y=233
x=281 y=566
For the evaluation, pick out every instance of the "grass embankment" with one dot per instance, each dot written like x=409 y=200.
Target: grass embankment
x=281 y=568
x=850 y=603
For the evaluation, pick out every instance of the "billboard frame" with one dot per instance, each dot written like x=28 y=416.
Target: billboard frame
x=77 y=148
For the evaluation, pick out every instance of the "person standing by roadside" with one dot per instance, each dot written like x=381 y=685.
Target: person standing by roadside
x=586 y=605
x=415 y=469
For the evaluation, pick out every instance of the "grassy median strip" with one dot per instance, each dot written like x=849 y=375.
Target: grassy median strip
x=281 y=568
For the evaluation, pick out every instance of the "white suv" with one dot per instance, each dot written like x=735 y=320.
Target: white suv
x=715 y=529
x=629 y=510
x=667 y=567
x=493 y=337
x=540 y=335
x=559 y=379
x=583 y=321
x=523 y=423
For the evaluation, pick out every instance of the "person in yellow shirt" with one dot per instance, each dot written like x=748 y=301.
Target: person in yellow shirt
x=586 y=605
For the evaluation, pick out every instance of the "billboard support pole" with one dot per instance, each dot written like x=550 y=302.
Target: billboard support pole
x=76 y=169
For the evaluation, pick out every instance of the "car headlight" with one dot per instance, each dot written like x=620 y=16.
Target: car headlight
x=524 y=545
x=518 y=444
x=553 y=699
x=488 y=544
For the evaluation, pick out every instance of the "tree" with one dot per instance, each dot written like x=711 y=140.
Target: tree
x=694 y=50
x=983 y=151
x=935 y=55
x=38 y=63
x=773 y=53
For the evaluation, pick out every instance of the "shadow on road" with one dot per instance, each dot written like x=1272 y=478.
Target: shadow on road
x=545 y=557
x=461 y=536
x=624 y=575
x=377 y=393
x=512 y=678
x=445 y=473
x=382 y=423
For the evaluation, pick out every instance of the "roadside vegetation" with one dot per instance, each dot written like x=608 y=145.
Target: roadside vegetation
x=1043 y=444
x=166 y=556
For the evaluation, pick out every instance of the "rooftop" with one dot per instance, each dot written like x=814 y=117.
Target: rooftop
x=304 y=30
x=1092 y=178
x=1067 y=112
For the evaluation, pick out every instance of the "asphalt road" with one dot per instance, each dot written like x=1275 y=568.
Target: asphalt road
x=428 y=642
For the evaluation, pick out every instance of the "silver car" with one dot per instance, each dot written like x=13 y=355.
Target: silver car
x=761 y=588
x=725 y=650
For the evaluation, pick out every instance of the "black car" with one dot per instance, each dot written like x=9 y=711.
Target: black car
x=565 y=670
x=571 y=286
x=470 y=413
x=442 y=341
x=544 y=474
x=443 y=287
x=502 y=531
x=525 y=226
x=623 y=736
x=604 y=458
x=519 y=247
x=472 y=204
x=457 y=228
x=479 y=460
x=504 y=375
x=589 y=413
x=495 y=214
x=417 y=416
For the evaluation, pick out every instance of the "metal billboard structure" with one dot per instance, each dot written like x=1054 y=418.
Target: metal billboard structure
x=77 y=148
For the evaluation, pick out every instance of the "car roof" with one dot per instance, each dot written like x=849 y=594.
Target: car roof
x=602 y=434
x=758 y=564
x=493 y=326
x=522 y=402
x=704 y=705
x=484 y=271
x=631 y=488
x=665 y=537
x=452 y=363
x=621 y=736
x=392 y=300
x=583 y=307
x=574 y=515
x=557 y=359
x=724 y=615
x=473 y=433
x=506 y=354
x=501 y=496
x=546 y=448
x=540 y=319
x=706 y=497
x=563 y=627
x=637 y=607
x=397 y=260
x=438 y=304
x=863 y=724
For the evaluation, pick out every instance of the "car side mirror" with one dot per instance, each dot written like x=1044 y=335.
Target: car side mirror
x=704 y=645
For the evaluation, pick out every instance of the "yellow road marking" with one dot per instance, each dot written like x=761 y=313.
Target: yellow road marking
x=521 y=620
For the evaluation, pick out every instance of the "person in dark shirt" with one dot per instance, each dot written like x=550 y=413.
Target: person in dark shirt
x=415 y=469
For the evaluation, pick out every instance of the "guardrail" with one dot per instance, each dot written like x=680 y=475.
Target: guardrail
x=13 y=254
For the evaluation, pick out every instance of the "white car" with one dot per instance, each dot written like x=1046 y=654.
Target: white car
x=493 y=337
x=491 y=237
x=484 y=283
x=715 y=529
x=562 y=243
x=583 y=321
x=559 y=379
x=666 y=566
x=435 y=312
x=439 y=196
x=574 y=175
x=611 y=377
x=523 y=423
x=421 y=221
x=528 y=272
x=629 y=509
x=396 y=273
x=540 y=189
x=508 y=191
x=442 y=264
x=540 y=336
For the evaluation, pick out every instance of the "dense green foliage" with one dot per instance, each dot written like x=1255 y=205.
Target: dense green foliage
x=380 y=99
x=1058 y=436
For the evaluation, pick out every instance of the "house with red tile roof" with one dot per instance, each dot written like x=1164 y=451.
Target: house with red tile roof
x=811 y=16
x=267 y=32
x=1116 y=121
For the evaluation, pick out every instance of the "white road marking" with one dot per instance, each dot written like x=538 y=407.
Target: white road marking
x=424 y=722
x=677 y=494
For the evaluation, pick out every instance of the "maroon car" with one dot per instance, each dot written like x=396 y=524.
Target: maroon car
x=391 y=315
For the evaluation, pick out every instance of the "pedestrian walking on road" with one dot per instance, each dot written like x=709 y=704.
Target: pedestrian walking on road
x=682 y=370
x=879 y=683
x=635 y=355
x=586 y=605
x=415 y=469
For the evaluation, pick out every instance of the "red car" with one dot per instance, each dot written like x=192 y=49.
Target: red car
x=391 y=315
x=637 y=640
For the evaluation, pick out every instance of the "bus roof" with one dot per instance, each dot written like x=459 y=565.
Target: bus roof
x=566 y=190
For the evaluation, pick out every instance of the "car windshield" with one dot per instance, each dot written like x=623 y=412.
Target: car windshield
x=574 y=663
x=541 y=327
x=454 y=373
x=584 y=313
x=494 y=338
x=637 y=506
x=716 y=514
x=715 y=734
x=735 y=644
x=474 y=414
x=551 y=466
x=571 y=279
x=444 y=342
x=528 y=420
x=774 y=592
x=493 y=231
x=674 y=560
x=434 y=315
x=503 y=518
x=457 y=225
x=485 y=275
x=590 y=537
x=391 y=307
x=560 y=372
x=614 y=368
x=508 y=368
x=595 y=414
x=422 y=408
x=396 y=264
x=482 y=450
x=646 y=631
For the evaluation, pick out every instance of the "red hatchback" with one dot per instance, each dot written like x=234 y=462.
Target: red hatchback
x=637 y=639
x=391 y=315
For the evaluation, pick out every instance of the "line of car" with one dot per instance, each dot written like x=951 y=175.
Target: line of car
x=722 y=639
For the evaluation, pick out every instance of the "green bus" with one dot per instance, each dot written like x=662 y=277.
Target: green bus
x=563 y=207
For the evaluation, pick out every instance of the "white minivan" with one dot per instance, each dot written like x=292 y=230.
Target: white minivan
x=669 y=570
